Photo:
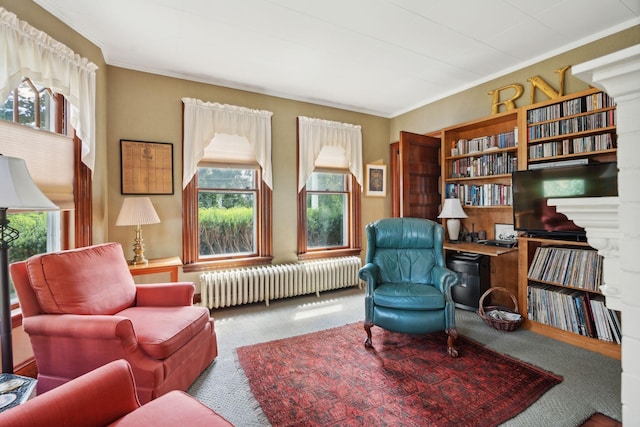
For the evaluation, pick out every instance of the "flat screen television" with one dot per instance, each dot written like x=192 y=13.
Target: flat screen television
x=532 y=189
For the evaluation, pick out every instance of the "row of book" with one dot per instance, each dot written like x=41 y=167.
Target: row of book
x=484 y=143
x=480 y=195
x=587 y=144
x=573 y=125
x=485 y=165
x=570 y=107
x=575 y=311
x=578 y=268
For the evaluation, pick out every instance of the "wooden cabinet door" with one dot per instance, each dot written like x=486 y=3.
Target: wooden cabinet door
x=415 y=176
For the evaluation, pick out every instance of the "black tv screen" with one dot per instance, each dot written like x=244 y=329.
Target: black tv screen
x=532 y=189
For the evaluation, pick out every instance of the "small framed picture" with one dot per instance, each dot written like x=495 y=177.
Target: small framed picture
x=505 y=232
x=376 y=180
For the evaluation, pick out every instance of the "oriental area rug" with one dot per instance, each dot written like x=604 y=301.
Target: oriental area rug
x=329 y=378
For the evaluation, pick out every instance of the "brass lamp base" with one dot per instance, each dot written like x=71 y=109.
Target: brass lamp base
x=138 y=249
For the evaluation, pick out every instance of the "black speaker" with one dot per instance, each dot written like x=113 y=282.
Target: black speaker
x=473 y=278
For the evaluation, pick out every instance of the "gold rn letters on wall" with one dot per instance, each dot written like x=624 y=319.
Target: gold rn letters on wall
x=537 y=83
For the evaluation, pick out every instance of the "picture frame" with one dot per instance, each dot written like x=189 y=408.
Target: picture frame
x=376 y=180
x=146 y=167
x=505 y=232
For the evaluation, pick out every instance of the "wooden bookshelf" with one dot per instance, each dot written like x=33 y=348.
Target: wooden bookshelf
x=478 y=157
x=526 y=254
x=581 y=125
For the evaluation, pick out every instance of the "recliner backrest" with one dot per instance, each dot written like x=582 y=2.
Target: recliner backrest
x=405 y=249
x=88 y=280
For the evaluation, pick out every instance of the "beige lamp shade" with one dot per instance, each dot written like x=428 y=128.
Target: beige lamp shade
x=452 y=210
x=137 y=211
x=18 y=191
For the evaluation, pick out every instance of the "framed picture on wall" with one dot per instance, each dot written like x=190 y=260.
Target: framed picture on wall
x=376 y=180
x=146 y=167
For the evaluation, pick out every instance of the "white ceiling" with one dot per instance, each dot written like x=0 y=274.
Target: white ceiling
x=383 y=57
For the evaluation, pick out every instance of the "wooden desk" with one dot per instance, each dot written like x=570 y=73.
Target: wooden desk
x=503 y=267
x=478 y=248
x=158 y=265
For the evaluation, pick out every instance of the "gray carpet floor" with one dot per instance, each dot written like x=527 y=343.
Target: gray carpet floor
x=591 y=381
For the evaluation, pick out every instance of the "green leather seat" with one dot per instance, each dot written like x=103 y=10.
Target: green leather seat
x=408 y=287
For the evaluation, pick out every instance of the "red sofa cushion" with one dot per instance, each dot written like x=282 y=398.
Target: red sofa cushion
x=173 y=409
x=161 y=331
x=61 y=287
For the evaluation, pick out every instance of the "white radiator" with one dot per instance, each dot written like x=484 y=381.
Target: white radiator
x=225 y=288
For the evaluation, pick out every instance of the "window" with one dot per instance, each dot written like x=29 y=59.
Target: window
x=32 y=105
x=226 y=218
x=36 y=107
x=328 y=189
x=328 y=210
x=226 y=196
x=227 y=212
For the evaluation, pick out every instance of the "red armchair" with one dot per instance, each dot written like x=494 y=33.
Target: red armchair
x=82 y=309
x=106 y=396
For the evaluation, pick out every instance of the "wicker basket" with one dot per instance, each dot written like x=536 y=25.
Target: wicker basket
x=494 y=315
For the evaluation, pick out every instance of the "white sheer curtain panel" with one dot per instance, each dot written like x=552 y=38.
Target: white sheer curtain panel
x=203 y=120
x=315 y=134
x=28 y=52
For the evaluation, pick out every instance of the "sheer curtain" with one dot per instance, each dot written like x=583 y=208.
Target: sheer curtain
x=316 y=134
x=28 y=52
x=203 y=120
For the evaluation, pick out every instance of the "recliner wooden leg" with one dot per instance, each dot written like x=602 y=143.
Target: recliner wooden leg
x=367 y=328
x=452 y=336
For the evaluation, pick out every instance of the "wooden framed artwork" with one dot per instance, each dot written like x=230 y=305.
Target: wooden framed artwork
x=376 y=180
x=146 y=167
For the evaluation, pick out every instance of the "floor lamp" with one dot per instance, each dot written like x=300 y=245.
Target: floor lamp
x=17 y=192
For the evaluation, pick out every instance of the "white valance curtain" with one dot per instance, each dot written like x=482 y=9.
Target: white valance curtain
x=28 y=52
x=203 y=120
x=316 y=134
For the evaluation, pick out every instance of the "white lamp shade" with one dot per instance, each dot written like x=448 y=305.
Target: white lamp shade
x=452 y=209
x=137 y=211
x=18 y=191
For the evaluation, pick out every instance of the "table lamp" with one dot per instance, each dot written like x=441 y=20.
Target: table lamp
x=137 y=211
x=17 y=192
x=452 y=211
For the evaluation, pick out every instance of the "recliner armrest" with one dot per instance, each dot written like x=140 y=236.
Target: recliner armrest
x=369 y=273
x=165 y=294
x=444 y=279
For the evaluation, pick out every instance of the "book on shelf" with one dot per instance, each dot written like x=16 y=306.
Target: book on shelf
x=486 y=143
x=480 y=195
x=484 y=165
x=570 y=107
x=578 y=268
x=559 y=164
x=572 y=125
x=573 y=311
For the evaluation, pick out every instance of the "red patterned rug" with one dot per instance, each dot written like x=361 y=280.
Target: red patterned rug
x=329 y=378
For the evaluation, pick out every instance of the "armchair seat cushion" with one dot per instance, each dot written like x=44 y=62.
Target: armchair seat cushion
x=409 y=296
x=161 y=331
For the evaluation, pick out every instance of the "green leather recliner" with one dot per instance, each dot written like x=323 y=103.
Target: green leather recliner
x=408 y=287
